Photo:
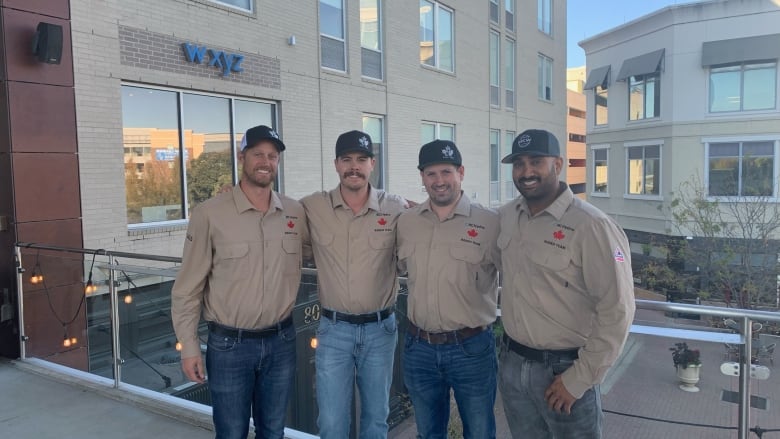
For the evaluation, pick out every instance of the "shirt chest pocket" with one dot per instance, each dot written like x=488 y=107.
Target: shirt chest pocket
x=230 y=259
x=549 y=257
x=468 y=254
x=321 y=238
x=381 y=240
x=291 y=251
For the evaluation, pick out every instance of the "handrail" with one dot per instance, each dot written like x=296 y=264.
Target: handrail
x=99 y=251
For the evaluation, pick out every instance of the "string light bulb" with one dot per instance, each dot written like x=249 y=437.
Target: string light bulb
x=129 y=299
x=66 y=342
x=178 y=346
x=90 y=288
x=37 y=276
x=313 y=343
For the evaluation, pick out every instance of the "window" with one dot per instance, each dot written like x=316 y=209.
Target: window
x=495 y=76
x=743 y=87
x=493 y=6
x=509 y=14
x=495 y=161
x=600 y=98
x=579 y=138
x=371 y=38
x=544 y=16
x=509 y=76
x=545 y=78
x=165 y=131
x=644 y=170
x=509 y=189
x=374 y=127
x=741 y=169
x=238 y=4
x=332 y=39
x=431 y=131
x=600 y=170
x=574 y=112
x=644 y=96
x=436 y=28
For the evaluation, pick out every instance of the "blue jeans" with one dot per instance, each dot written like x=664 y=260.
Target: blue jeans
x=523 y=383
x=468 y=368
x=250 y=375
x=349 y=353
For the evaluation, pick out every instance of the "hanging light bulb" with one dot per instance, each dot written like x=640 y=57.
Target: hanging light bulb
x=128 y=299
x=90 y=288
x=66 y=342
x=178 y=346
x=73 y=340
x=313 y=343
x=36 y=277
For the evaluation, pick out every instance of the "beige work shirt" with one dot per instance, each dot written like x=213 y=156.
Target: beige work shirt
x=240 y=267
x=452 y=265
x=354 y=251
x=567 y=284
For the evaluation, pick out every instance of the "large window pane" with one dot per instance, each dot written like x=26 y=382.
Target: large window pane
x=331 y=22
x=241 y=4
x=601 y=105
x=494 y=70
x=723 y=176
x=644 y=170
x=427 y=55
x=544 y=16
x=427 y=133
x=741 y=169
x=369 y=25
x=760 y=88
x=444 y=40
x=436 y=36
x=724 y=89
x=447 y=132
x=373 y=126
x=600 y=170
x=743 y=87
x=207 y=141
x=152 y=161
x=509 y=72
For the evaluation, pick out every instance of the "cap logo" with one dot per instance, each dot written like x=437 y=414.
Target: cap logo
x=273 y=134
x=363 y=142
x=447 y=152
x=524 y=141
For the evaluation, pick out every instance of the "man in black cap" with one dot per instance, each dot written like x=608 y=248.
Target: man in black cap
x=567 y=299
x=241 y=270
x=448 y=246
x=353 y=238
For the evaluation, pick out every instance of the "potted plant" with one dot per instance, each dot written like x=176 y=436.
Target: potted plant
x=687 y=362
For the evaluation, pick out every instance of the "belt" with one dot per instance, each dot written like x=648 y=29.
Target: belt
x=540 y=355
x=358 y=319
x=449 y=337
x=227 y=331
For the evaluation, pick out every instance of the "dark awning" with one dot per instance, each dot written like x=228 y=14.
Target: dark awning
x=599 y=76
x=641 y=65
x=737 y=50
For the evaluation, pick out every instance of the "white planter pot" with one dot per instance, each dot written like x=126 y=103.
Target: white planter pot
x=689 y=376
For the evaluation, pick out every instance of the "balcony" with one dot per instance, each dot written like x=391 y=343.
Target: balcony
x=85 y=386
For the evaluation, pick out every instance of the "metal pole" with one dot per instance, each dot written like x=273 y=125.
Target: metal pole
x=20 y=303
x=117 y=359
x=744 y=379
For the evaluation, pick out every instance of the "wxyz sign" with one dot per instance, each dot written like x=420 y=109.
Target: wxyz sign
x=227 y=62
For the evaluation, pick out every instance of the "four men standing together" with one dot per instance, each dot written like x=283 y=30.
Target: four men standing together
x=567 y=299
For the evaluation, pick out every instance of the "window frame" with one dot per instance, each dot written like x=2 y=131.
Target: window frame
x=235 y=138
x=224 y=3
x=595 y=162
x=545 y=77
x=743 y=67
x=380 y=43
x=544 y=16
x=493 y=12
x=510 y=74
x=436 y=8
x=342 y=39
x=509 y=15
x=494 y=68
x=644 y=144
x=437 y=126
x=509 y=191
x=598 y=91
x=494 y=167
x=381 y=157
x=775 y=139
x=643 y=81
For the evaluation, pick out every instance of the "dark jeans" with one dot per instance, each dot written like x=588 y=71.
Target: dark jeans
x=250 y=377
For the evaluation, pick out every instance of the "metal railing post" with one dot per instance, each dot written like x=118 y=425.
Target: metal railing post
x=117 y=357
x=744 y=379
x=20 y=303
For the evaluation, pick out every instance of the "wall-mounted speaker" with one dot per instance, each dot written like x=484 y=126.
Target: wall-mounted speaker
x=47 y=43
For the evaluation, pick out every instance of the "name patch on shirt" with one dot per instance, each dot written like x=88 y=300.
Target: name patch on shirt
x=382 y=220
x=290 y=227
x=472 y=232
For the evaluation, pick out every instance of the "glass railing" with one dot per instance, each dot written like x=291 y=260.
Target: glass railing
x=121 y=330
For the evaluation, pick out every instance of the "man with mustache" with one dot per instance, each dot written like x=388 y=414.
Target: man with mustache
x=353 y=238
x=448 y=246
x=567 y=299
x=241 y=270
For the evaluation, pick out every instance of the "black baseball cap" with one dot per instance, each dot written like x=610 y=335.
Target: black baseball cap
x=439 y=151
x=254 y=135
x=354 y=141
x=534 y=142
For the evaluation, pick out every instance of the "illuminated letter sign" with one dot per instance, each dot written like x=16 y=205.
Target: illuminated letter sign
x=227 y=62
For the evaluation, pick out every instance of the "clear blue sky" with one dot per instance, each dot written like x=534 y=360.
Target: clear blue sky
x=587 y=18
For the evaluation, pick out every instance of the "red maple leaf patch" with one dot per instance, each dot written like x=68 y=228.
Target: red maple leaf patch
x=473 y=233
x=559 y=235
x=291 y=224
x=382 y=221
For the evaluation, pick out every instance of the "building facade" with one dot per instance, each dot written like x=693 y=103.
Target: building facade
x=576 y=152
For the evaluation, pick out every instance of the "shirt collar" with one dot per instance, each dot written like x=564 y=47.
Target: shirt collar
x=556 y=209
x=243 y=204
x=463 y=207
x=338 y=201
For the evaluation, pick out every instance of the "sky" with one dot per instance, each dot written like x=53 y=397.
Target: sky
x=587 y=18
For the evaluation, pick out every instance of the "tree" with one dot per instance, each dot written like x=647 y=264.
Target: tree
x=733 y=243
x=157 y=185
x=208 y=175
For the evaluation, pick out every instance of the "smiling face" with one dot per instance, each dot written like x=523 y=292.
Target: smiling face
x=536 y=177
x=354 y=168
x=260 y=164
x=442 y=182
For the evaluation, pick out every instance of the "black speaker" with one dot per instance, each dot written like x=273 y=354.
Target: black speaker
x=47 y=43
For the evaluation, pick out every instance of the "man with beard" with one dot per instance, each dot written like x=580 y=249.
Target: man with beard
x=567 y=299
x=448 y=246
x=240 y=270
x=353 y=238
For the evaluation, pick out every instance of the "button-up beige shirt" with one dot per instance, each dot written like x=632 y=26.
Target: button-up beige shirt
x=452 y=265
x=354 y=251
x=240 y=267
x=567 y=284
